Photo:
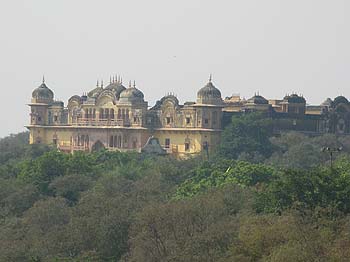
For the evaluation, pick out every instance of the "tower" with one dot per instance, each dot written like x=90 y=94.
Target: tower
x=42 y=98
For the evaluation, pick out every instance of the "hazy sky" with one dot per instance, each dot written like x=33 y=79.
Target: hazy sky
x=271 y=46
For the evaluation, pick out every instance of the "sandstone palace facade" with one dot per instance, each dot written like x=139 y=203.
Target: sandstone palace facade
x=118 y=118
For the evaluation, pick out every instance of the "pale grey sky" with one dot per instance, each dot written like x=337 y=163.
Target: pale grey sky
x=271 y=46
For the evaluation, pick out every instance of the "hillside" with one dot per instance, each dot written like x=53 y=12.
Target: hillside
x=259 y=198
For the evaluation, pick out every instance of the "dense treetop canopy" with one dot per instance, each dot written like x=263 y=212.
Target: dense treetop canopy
x=259 y=198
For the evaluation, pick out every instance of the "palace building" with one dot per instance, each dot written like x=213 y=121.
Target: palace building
x=118 y=118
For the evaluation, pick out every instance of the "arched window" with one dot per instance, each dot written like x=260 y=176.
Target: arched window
x=112 y=114
x=87 y=140
x=127 y=114
x=215 y=117
x=97 y=146
x=119 y=141
x=82 y=140
x=123 y=114
x=106 y=113
x=119 y=114
x=111 y=144
x=187 y=144
x=115 y=141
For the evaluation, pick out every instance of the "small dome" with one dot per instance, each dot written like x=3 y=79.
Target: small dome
x=209 y=90
x=131 y=94
x=95 y=92
x=340 y=100
x=169 y=97
x=295 y=99
x=209 y=94
x=328 y=102
x=116 y=87
x=258 y=100
x=43 y=93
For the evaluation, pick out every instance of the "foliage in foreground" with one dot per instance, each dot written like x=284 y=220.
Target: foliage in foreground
x=219 y=174
x=281 y=202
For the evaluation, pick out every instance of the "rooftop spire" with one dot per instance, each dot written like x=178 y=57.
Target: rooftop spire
x=97 y=83
x=43 y=79
x=134 y=84
x=210 y=77
x=102 y=83
x=130 y=83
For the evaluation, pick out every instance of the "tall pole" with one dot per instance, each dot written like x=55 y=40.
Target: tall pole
x=331 y=151
x=331 y=156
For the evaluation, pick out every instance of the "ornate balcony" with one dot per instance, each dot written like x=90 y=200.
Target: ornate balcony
x=68 y=147
x=101 y=122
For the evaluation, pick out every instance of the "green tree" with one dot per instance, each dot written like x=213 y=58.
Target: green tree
x=82 y=163
x=37 y=236
x=280 y=238
x=297 y=151
x=12 y=146
x=198 y=229
x=312 y=188
x=70 y=186
x=44 y=169
x=16 y=197
x=218 y=174
x=248 y=134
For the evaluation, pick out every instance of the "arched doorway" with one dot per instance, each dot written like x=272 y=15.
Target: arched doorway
x=98 y=146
